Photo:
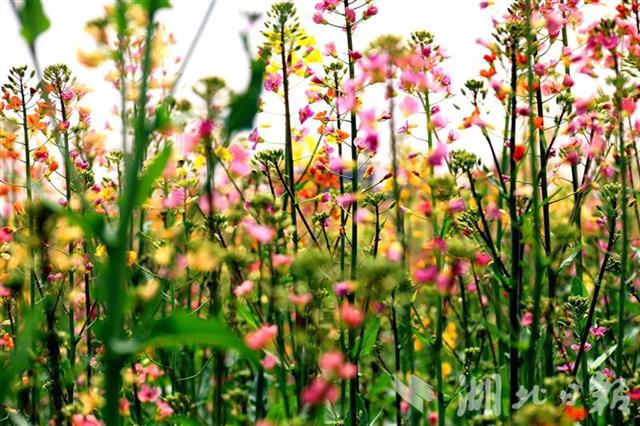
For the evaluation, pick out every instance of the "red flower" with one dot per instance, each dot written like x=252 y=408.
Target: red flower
x=518 y=152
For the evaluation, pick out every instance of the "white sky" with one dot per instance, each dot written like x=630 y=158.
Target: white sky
x=220 y=51
x=456 y=25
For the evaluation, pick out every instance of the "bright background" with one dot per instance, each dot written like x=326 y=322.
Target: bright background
x=456 y=25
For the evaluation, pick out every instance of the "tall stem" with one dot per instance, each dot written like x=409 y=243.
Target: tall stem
x=624 y=250
x=514 y=308
x=533 y=164
x=288 y=138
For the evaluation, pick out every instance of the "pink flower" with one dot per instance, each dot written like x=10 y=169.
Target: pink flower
x=598 y=331
x=456 y=205
x=319 y=19
x=369 y=143
x=279 y=260
x=438 y=121
x=175 y=199
x=243 y=289
x=164 y=410
x=634 y=394
x=269 y=362
x=153 y=371
x=300 y=300
x=437 y=156
x=371 y=11
x=239 y=160
x=409 y=106
x=576 y=347
x=482 y=258
x=272 y=82
x=526 y=319
x=189 y=142
x=628 y=106
x=554 y=23
x=5 y=235
x=345 y=200
x=351 y=315
x=261 y=233
x=80 y=420
x=320 y=392
x=376 y=67
x=426 y=275
x=351 y=15
x=566 y=367
x=330 y=49
x=348 y=371
x=124 y=406
x=305 y=113
x=260 y=338
x=148 y=394
x=337 y=164
x=342 y=288
x=331 y=361
x=67 y=95
x=254 y=138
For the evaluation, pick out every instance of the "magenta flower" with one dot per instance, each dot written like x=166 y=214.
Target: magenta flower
x=304 y=114
x=272 y=82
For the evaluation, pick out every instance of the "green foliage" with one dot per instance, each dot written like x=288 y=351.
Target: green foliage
x=33 y=20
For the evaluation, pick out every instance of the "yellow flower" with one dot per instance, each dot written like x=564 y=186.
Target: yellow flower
x=446 y=369
x=204 y=259
x=148 y=290
x=163 y=255
x=132 y=256
x=314 y=57
x=223 y=153
x=90 y=400
x=450 y=335
x=101 y=251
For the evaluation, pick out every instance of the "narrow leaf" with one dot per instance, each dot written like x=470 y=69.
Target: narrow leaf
x=153 y=172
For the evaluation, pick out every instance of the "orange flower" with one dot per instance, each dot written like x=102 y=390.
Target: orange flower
x=34 y=123
x=576 y=414
x=538 y=122
x=15 y=103
x=488 y=73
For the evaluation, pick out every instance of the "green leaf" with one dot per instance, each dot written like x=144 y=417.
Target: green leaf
x=21 y=356
x=577 y=288
x=153 y=172
x=182 y=420
x=569 y=259
x=184 y=329
x=33 y=20
x=368 y=339
x=244 y=107
x=602 y=358
x=153 y=5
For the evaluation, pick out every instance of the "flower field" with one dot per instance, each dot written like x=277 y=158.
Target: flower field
x=391 y=247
